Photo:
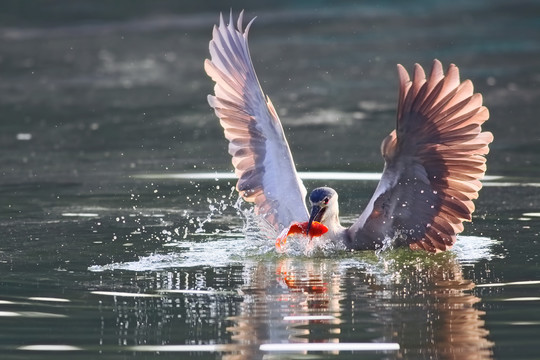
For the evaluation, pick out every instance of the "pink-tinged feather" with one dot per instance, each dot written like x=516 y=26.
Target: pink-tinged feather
x=260 y=153
x=438 y=138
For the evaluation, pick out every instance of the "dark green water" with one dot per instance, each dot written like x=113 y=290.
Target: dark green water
x=105 y=254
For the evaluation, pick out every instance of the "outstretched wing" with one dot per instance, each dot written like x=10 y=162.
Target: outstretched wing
x=434 y=161
x=260 y=152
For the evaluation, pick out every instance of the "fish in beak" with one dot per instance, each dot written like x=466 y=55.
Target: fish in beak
x=317 y=213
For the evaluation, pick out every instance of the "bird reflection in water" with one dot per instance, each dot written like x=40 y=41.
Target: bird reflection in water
x=314 y=295
x=424 y=304
x=455 y=326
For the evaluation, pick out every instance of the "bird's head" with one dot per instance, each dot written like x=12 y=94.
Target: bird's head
x=324 y=207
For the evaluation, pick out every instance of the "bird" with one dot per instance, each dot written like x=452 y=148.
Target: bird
x=433 y=160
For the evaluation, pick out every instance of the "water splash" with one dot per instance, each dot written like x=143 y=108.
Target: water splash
x=472 y=249
x=192 y=223
x=190 y=243
x=302 y=245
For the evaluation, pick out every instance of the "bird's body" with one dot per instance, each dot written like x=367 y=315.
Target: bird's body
x=433 y=160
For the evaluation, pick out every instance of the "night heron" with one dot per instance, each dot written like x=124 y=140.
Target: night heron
x=434 y=160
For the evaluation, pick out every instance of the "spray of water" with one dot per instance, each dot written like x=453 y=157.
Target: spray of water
x=218 y=231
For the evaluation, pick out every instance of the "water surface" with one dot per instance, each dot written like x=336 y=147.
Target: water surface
x=117 y=245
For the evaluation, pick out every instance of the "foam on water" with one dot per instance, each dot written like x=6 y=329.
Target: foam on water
x=187 y=254
x=238 y=249
x=472 y=249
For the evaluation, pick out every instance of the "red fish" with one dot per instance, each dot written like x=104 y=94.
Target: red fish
x=317 y=229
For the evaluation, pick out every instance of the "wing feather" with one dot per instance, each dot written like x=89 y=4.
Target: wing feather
x=434 y=162
x=260 y=152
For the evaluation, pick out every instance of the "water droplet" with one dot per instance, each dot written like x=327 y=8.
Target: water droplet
x=24 y=136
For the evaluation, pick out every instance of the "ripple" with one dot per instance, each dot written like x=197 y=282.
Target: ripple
x=45 y=347
x=181 y=348
x=514 y=283
x=194 y=292
x=49 y=299
x=524 y=298
x=309 y=317
x=124 y=294
x=30 y=314
x=296 y=347
x=307 y=175
x=80 y=214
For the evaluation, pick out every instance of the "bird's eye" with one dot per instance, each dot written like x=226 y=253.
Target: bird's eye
x=326 y=200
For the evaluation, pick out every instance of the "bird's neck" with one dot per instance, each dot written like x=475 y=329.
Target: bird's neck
x=331 y=221
x=336 y=237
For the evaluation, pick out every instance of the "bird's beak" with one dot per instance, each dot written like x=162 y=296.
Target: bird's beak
x=316 y=215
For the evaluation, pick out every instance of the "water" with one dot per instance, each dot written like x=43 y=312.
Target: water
x=115 y=246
